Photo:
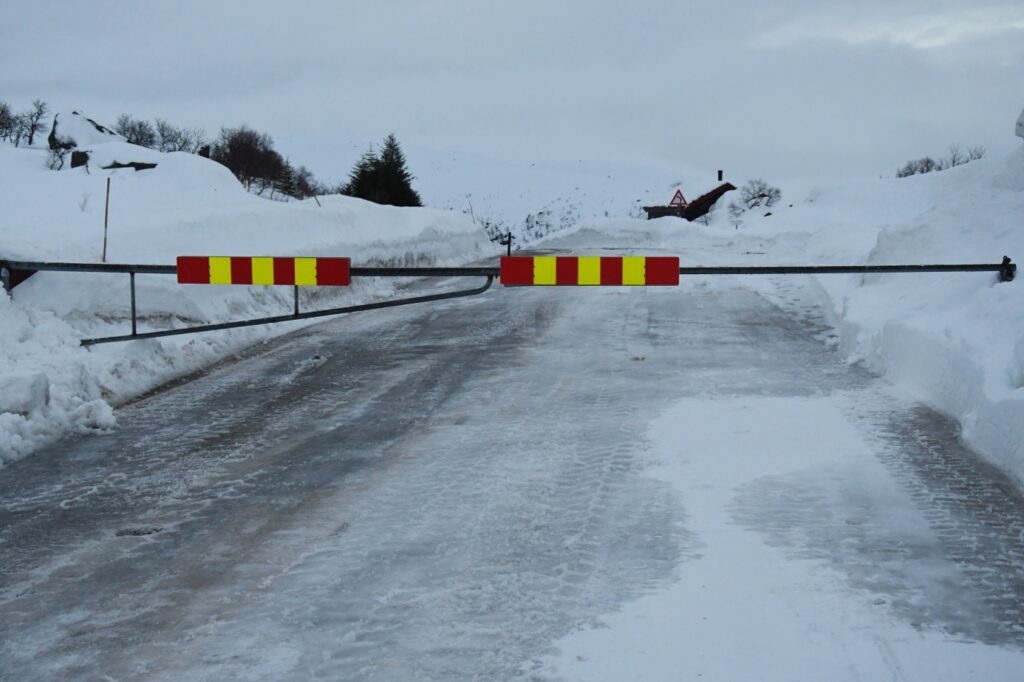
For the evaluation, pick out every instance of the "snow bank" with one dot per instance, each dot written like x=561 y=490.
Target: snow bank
x=187 y=205
x=954 y=341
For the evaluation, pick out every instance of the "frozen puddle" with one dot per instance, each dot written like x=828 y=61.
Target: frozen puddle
x=814 y=561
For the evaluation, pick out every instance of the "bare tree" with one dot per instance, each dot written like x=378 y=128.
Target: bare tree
x=193 y=139
x=923 y=165
x=29 y=123
x=135 y=131
x=168 y=138
x=305 y=184
x=250 y=156
x=7 y=121
x=956 y=157
x=928 y=164
x=55 y=161
x=757 y=192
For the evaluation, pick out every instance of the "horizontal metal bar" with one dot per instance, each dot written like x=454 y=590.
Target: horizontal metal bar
x=840 y=269
x=289 y=318
x=92 y=267
x=173 y=269
x=1005 y=267
x=425 y=272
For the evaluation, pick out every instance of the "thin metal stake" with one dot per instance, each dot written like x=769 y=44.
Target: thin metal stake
x=106 y=216
x=296 y=300
x=131 y=276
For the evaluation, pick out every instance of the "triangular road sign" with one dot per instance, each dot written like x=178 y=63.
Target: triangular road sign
x=678 y=199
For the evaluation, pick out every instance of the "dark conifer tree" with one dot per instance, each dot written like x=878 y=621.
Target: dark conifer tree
x=396 y=180
x=384 y=178
x=362 y=181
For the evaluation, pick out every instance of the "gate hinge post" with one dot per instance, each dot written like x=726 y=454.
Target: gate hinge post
x=1008 y=271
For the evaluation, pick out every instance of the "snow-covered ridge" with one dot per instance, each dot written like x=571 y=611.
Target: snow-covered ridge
x=187 y=205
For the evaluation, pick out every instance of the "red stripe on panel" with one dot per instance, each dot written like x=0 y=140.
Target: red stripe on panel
x=193 y=270
x=662 y=271
x=567 y=269
x=284 y=271
x=611 y=270
x=241 y=270
x=332 y=272
x=517 y=271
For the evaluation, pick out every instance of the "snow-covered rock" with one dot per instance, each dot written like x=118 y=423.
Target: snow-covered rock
x=1020 y=125
x=72 y=130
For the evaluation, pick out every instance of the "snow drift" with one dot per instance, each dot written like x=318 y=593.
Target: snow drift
x=187 y=205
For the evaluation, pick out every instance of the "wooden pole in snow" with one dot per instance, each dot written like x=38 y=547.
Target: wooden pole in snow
x=106 y=216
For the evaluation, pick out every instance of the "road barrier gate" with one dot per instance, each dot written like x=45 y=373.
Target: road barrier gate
x=513 y=271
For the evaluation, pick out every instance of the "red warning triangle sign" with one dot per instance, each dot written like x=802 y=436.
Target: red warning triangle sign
x=678 y=199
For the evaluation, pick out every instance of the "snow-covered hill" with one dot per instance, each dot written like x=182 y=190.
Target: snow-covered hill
x=187 y=205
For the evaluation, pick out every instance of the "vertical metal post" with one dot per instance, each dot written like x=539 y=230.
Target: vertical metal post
x=296 y=299
x=131 y=276
x=106 y=215
x=1008 y=270
x=510 y=242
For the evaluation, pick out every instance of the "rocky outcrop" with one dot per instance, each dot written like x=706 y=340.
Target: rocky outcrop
x=75 y=130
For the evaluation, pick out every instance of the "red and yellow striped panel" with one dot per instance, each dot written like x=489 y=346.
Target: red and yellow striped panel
x=268 y=270
x=590 y=270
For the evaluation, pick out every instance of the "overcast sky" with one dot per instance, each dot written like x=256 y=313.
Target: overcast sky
x=778 y=89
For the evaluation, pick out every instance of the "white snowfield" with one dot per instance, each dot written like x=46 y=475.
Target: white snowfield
x=955 y=341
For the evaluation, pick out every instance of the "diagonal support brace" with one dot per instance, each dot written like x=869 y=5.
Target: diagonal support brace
x=299 y=316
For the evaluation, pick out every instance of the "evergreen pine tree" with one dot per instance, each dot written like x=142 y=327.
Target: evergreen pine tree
x=362 y=180
x=396 y=180
x=383 y=178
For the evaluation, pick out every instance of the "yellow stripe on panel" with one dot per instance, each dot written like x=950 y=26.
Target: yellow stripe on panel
x=263 y=271
x=634 y=270
x=305 y=271
x=544 y=270
x=590 y=270
x=220 y=270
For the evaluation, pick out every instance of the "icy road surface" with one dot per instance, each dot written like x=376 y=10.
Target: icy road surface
x=583 y=483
